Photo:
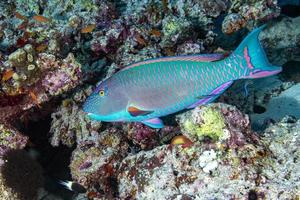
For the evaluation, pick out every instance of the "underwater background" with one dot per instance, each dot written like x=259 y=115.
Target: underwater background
x=244 y=145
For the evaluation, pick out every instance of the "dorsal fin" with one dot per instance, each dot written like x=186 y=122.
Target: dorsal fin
x=196 y=58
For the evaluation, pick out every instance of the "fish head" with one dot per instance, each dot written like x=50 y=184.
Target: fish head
x=107 y=102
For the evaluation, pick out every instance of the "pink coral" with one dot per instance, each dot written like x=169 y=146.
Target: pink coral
x=67 y=76
x=10 y=139
x=147 y=138
x=239 y=126
x=142 y=135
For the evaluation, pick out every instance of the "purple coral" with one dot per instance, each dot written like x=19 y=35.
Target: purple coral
x=142 y=135
x=238 y=125
x=56 y=80
x=67 y=76
x=108 y=41
x=95 y=161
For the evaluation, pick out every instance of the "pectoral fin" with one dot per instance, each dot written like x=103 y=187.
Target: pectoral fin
x=134 y=111
x=154 y=123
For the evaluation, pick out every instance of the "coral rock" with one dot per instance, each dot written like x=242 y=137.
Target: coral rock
x=268 y=169
x=232 y=23
x=64 y=78
x=282 y=47
x=219 y=122
x=94 y=161
x=70 y=124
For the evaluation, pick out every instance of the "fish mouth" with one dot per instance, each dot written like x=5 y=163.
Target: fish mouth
x=93 y=116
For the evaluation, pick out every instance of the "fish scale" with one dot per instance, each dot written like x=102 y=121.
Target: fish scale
x=147 y=90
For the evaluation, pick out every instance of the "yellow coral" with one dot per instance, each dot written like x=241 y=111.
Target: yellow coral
x=212 y=126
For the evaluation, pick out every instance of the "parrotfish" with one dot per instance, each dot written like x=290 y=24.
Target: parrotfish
x=147 y=90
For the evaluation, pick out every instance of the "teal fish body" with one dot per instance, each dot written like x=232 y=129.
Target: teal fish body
x=150 y=89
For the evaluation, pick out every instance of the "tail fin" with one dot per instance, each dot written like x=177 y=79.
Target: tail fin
x=254 y=57
x=73 y=186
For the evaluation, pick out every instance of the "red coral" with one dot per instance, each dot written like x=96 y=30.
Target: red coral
x=239 y=126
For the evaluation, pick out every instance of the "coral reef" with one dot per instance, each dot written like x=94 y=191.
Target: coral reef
x=35 y=91
x=239 y=169
x=94 y=162
x=282 y=47
x=69 y=123
x=143 y=136
x=52 y=51
x=66 y=77
x=220 y=123
x=283 y=141
x=243 y=13
x=146 y=138
x=10 y=139
x=21 y=176
x=205 y=122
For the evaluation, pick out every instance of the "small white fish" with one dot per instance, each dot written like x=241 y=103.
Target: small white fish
x=73 y=186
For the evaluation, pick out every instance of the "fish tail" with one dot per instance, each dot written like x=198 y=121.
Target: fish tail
x=254 y=59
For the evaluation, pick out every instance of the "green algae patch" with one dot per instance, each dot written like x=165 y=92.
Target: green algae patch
x=212 y=125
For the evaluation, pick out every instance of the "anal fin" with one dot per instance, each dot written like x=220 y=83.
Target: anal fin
x=154 y=123
x=212 y=96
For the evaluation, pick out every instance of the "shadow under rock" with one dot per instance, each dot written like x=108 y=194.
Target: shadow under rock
x=54 y=160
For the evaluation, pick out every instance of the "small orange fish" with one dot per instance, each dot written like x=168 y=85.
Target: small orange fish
x=19 y=16
x=42 y=47
x=40 y=18
x=7 y=75
x=182 y=140
x=155 y=32
x=34 y=98
x=88 y=28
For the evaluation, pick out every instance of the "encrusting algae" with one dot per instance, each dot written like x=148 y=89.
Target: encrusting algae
x=211 y=124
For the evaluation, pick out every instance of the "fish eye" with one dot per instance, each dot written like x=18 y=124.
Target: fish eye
x=101 y=93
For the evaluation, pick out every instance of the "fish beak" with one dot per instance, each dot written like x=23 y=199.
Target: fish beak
x=90 y=115
x=94 y=117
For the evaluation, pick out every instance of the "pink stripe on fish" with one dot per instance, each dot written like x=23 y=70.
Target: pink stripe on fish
x=248 y=59
x=264 y=73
